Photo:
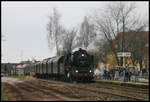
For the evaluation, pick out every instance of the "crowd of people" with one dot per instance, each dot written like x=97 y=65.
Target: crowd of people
x=122 y=73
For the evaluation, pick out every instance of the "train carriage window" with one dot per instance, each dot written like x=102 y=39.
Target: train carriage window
x=38 y=68
x=46 y=68
x=35 y=68
x=52 y=67
x=30 y=68
x=41 y=68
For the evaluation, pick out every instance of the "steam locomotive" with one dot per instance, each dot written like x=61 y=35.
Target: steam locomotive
x=77 y=66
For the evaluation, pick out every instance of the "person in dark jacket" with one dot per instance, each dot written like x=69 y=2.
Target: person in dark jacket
x=113 y=74
x=105 y=74
x=130 y=74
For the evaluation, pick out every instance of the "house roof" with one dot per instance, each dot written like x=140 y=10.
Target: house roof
x=130 y=35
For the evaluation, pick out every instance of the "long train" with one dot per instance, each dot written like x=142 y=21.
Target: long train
x=77 y=66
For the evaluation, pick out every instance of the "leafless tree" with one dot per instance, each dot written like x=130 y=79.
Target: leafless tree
x=100 y=52
x=103 y=50
x=87 y=33
x=117 y=18
x=69 y=40
x=55 y=30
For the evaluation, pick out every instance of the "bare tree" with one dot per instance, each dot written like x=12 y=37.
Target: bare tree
x=103 y=50
x=55 y=30
x=118 y=17
x=69 y=41
x=87 y=33
x=100 y=52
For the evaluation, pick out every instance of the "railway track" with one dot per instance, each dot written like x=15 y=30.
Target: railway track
x=111 y=94
x=20 y=93
x=125 y=94
x=27 y=91
x=123 y=88
x=70 y=92
x=44 y=90
x=47 y=90
x=36 y=91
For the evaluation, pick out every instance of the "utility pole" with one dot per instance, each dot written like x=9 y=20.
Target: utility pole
x=123 y=39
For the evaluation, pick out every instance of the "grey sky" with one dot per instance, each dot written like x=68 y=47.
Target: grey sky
x=24 y=25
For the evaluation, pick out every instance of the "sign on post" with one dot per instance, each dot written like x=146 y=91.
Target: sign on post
x=124 y=54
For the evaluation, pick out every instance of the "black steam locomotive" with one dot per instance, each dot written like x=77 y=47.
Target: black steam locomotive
x=77 y=66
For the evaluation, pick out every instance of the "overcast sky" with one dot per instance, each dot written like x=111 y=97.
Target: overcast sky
x=24 y=25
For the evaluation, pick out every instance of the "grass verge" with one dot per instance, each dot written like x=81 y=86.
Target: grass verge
x=23 y=77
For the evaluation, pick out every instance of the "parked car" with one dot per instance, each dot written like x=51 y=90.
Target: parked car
x=4 y=74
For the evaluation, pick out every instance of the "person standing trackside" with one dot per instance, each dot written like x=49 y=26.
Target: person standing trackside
x=105 y=74
x=130 y=74
x=136 y=75
x=116 y=74
x=113 y=74
x=120 y=73
x=144 y=71
x=126 y=74
x=110 y=75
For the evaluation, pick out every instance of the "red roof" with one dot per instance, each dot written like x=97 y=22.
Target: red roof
x=128 y=35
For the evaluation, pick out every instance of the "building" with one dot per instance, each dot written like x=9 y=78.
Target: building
x=136 y=43
x=7 y=67
x=14 y=68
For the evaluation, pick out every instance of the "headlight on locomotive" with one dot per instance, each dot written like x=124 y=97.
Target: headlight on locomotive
x=82 y=54
x=90 y=71
x=76 y=71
